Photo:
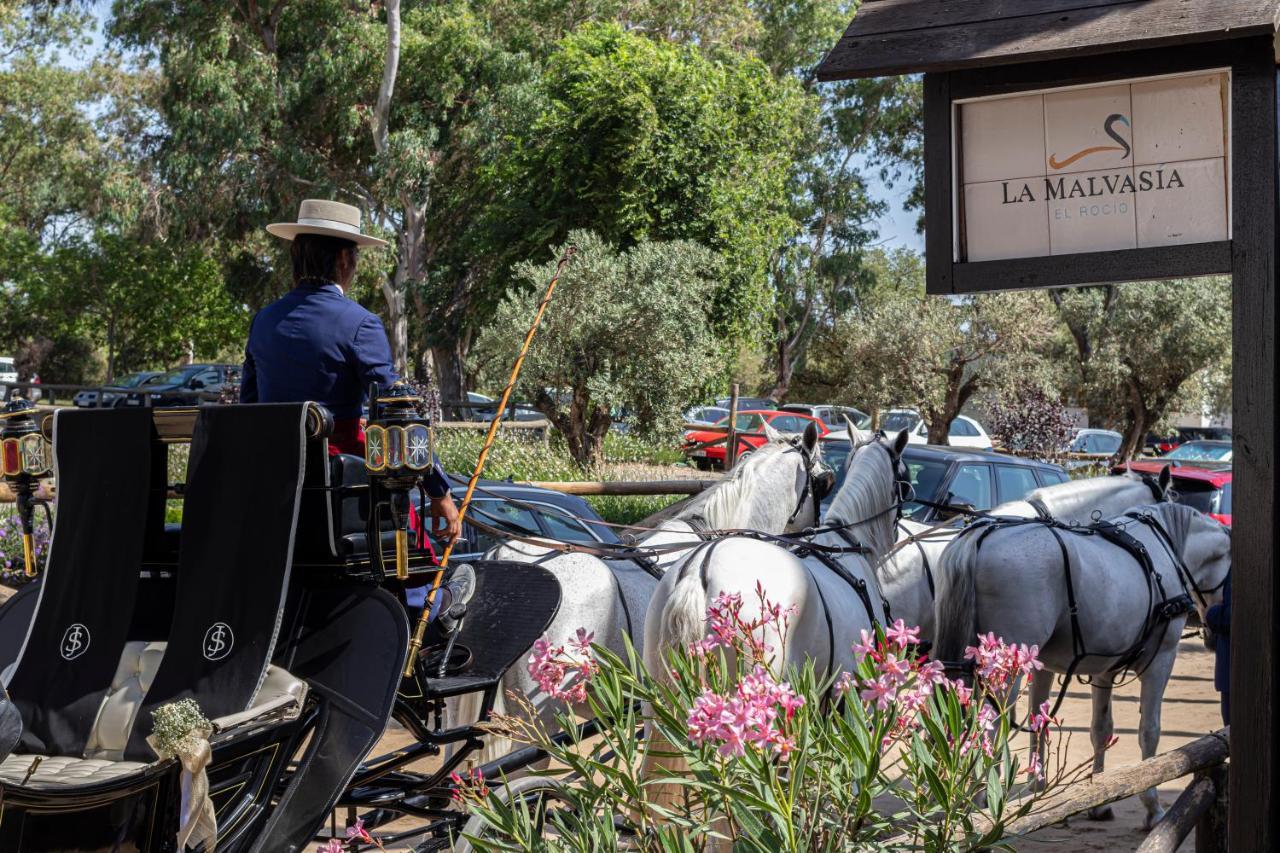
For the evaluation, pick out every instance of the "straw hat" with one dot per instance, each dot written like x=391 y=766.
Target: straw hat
x=329 y=218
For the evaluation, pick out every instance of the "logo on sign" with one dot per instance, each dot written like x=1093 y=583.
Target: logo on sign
x=75 y=642
x=1108 y=127
x=218 y=641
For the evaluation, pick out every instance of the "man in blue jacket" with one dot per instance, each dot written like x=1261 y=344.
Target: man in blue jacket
x=316 y=344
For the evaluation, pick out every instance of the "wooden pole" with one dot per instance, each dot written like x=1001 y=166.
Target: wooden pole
x=1184 y=814
x=626 y=487
x=1211 y=831
x=731 y=437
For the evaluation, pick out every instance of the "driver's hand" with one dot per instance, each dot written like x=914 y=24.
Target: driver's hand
x=445 y=523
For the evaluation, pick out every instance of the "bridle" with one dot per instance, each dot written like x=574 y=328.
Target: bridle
x=817 y=486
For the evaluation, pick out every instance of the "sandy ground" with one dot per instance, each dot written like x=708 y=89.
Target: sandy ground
x=1190 y=711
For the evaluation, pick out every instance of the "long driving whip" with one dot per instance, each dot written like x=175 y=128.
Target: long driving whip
x=415 y=643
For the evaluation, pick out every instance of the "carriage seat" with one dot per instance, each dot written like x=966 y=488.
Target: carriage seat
x=280 y=693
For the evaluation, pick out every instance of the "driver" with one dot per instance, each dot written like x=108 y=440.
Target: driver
x=316 y=344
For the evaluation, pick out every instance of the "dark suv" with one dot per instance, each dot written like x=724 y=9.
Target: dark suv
x=192 y=385
x=975 y=478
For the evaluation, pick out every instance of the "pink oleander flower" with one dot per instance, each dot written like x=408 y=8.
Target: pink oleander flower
x=333 y=845
x=1035 y=767
x=964 y=694
x=845 y=683
x=865 y=647
x=469 y=785
x=903 y=636
x=882 y=691
x=357 y=832
x=560 y=674
x=997 y=663
x=1041 y=720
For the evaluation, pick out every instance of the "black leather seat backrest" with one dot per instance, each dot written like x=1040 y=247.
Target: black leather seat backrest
x=244 y=486
x=111 y=487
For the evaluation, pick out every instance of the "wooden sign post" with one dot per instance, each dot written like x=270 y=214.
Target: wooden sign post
x=1073 y=142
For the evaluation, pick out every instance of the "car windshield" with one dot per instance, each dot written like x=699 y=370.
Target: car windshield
x=897 y=421
x=744 y=423
x=1202 y=451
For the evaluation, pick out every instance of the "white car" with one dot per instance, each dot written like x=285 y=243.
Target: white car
x=964 y=431
x=8 y=373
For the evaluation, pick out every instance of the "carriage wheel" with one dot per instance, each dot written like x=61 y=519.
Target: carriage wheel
x=541 y=793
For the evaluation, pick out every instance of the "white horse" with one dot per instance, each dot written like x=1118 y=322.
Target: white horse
x=775 y=489
x=1012 y=582
x=907 y=574
x=831 y=606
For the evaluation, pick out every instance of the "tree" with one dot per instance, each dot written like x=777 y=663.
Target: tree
x=1138 y=347
x=900 y=347
x=627 y=329
x=648 y=140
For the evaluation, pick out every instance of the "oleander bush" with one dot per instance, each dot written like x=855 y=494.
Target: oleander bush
x=893 y=755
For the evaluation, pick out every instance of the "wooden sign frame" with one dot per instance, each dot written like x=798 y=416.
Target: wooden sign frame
x=946 y=275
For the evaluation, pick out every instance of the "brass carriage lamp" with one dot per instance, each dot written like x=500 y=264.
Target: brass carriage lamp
x=24 y=459
x=399 y=448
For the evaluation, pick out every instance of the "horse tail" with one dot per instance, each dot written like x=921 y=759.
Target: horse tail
x=955 y=608
x=684 y=615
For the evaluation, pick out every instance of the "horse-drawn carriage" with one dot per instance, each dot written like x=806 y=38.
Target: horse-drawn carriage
x=267 y=607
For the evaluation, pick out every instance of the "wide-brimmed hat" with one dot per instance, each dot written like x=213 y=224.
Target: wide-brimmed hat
x=329 y=218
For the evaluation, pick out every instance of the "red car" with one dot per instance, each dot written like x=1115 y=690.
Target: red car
x=1207 y=489
x=751 y=423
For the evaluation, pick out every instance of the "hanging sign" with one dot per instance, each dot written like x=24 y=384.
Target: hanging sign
x=1131 y=164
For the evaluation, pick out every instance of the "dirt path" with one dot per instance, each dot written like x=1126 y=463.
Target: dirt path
x=1190 y=711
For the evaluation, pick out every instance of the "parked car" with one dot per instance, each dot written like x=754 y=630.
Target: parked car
x=540 y=512
x=976 y=478
x=1200 y=451
x=111 y=394
x=1158 y=445
x=8 y=373
x=963 y=432
x=485 y=415
x=748 y=404
x=1186 y=434
x=705 y=415
x=1207 y=489
x=183 y=386
x=747 y=422
x=1099 y=441
x=832 y=416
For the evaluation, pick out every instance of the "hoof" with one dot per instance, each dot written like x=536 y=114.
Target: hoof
x=1102 y=813
x=1150 y=821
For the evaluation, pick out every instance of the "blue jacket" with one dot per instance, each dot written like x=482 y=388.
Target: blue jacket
x=316 y=344
x=1218 y=620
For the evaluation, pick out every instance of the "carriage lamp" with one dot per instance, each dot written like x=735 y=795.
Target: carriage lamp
x=24 y=459
x=399 y=447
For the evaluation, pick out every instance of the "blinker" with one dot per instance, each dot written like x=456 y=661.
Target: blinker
x=24 y=459
x=399 y=446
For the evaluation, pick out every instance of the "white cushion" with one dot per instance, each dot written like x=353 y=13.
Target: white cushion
x=280 y=693
x=61 y=771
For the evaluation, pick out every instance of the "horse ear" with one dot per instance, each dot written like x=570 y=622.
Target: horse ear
x=770 y=433
x=1166 y=477
x=810 y=439
x=900 y=443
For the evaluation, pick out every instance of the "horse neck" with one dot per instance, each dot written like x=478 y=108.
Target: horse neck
x=1078 y=500
x=749 y=498
x=863 y=502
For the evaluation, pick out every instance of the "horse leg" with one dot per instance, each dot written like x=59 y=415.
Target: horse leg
x=1154 y=681
x=1037 y=695
x=1100 y=731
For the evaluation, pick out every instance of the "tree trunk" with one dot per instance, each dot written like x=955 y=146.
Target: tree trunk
x=409 y=245
x=449 y=379
x=111 y=348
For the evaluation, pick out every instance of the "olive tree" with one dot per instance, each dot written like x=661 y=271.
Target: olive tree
x=901 y=347
x=1141 y=351
x=626 y=329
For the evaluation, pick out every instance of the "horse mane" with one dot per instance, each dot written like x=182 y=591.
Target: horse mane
x=1176 y=521
x=865 y=497
x=728 y=505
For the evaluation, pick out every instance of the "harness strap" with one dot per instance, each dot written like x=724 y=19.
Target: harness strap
x=826 y=613
x=858 y=584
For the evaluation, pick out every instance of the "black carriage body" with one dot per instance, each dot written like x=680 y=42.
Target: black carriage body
x=329 y=623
